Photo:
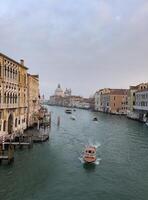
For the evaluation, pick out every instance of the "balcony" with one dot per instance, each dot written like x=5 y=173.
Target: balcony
x=6 y=106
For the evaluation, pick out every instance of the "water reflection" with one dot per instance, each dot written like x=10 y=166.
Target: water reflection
x=89 y=167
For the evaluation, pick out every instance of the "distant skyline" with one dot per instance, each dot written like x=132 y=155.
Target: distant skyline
x=81 y=44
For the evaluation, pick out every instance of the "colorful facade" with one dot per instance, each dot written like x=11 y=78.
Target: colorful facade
x=111 y=101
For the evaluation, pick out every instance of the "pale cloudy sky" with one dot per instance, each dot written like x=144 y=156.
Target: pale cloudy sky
x=82 y=44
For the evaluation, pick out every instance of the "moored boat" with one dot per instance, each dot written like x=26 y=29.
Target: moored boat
x=68 y=111
x=95 y=119
x=89 y=155
x=73 y=117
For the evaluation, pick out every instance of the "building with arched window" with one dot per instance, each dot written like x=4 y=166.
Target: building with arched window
x=19 y=96
x=13 y=95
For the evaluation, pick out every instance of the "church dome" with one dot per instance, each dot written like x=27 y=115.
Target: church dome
x=59 y=91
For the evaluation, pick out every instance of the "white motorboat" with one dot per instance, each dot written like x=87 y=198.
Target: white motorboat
x=73 y=117
x=68 y=111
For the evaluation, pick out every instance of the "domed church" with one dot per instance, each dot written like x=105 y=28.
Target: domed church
x=59 y=91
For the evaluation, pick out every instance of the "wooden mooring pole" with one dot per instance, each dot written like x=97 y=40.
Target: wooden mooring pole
x=58 y=121
x=7 y=155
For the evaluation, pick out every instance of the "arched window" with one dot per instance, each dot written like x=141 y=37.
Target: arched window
x=8 y=72
x=13 y=73
x=19 y=77
x=5 y=98
x=24 y=79
x=5 y=71
x=11 y=98
x=16 y=75
x=0 y=70
x=8 y=98
x=16 y=122
x=16 y=98
x=4 y=126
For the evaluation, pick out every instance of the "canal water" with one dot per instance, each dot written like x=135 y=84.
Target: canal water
x=53 y=170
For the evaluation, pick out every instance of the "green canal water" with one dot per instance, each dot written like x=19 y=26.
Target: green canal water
x=53 y=171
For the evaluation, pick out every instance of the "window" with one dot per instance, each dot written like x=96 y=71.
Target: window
x=15 y=98
x=0 y=70
x=4 y=126
x=5 y=71
x=16 y=122
x=8 y=99
x=8 y=72
x=5 y=98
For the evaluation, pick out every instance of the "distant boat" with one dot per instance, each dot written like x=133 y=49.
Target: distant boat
x=146 y=123
x=68 y=111
x=89 y=155
x=95 y=119
x=73 y=117
x=74 y=110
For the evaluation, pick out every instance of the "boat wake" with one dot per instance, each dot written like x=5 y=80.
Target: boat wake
x=94 y=144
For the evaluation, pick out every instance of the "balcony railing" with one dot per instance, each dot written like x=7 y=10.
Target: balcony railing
x=5 y=106
x=141 y=108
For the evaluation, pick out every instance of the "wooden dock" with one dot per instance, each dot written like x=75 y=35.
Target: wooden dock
x=39 y=134
x=20 y=144
x=7 y=155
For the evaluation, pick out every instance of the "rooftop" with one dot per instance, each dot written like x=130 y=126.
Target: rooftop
x=3 y=55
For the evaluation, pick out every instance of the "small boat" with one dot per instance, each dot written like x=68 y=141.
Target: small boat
x=68 y=111
x=146 y=123
x=73 y=117
x=74 y=110
x=89 y=155
x=95 y=119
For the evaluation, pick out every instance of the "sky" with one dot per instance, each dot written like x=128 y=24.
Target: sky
x=84 y=45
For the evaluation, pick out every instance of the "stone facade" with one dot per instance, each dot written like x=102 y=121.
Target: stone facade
x=33 y=99
x=141 y=105
x=135 y=109
x=13 y=95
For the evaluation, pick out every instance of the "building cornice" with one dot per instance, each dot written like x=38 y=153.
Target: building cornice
x=3 y=55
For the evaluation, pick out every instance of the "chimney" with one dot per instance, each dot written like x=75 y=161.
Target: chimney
x=22 y=62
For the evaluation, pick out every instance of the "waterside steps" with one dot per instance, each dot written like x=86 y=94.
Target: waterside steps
x=7 y=155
